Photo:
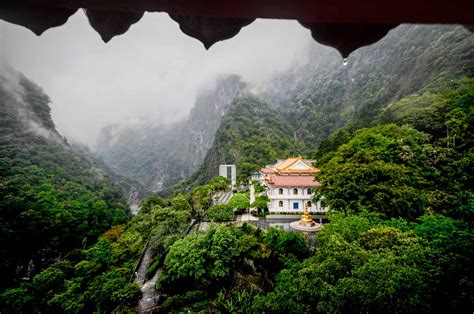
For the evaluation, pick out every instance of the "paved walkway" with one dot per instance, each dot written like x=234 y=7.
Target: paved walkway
x=225 y=197
x=248 y=217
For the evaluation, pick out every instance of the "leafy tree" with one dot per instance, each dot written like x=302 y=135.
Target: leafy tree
x=152 y=201
x=246 y=169
x=380 y=169
x=382 y=272
x=239 y=202
x=220 y=183
x=452 y=243
x=220 y=213
x=228 y=263
x=202 y=258
x=260 y=203
x=179 y=202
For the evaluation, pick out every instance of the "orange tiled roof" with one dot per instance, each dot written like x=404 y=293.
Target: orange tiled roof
x=284 y=166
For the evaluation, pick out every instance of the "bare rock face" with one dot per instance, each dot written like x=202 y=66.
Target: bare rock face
x=210 y=30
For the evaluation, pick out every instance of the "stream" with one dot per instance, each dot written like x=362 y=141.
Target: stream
x=150 y=297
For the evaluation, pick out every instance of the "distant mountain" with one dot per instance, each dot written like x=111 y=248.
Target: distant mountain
x=133 y=191
x=52 y=200
x=158 y=156
x=321 y=94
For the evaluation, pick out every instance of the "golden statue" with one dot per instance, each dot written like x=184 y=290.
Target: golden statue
x=306 y=223
x=306 y=217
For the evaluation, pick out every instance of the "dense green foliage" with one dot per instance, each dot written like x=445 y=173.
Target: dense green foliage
x=100 y=278
x=365 y=264
x=239 y=202
x=381 y=169
x=394 y=138
x=204 y=269
x=261 y=203
x=220 y=213
x=51 y=200
x=402 y=172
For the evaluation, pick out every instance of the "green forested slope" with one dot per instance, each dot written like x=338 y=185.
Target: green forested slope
x=51 y=201
x=250 y=135
x=396 y=170
x=425 y=164
x=323 y=95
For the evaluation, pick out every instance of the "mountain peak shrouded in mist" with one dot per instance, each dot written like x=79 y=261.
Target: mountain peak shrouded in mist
x=160 y=155
x=26 y=106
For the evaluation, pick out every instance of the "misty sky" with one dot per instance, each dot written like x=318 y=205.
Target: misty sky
x=153 y=71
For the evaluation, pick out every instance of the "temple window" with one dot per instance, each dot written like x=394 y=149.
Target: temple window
x=280 y=203
x=295 y=191
x=308 y=204
x=280 y=191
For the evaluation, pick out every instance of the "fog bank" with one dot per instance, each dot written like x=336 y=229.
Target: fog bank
x=152 y=72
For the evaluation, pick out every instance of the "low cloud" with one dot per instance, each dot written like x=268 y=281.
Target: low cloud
x=153 y=72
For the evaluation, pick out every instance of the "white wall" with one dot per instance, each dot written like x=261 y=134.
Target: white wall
x=289 y=198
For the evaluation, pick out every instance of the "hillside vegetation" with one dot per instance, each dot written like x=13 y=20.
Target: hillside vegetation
x=51 y=200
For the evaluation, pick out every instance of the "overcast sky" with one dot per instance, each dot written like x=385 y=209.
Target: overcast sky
x=152 y=71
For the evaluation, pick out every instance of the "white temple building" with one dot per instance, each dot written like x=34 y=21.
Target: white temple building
x=290 y=186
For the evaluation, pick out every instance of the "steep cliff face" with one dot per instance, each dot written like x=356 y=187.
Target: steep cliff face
x=322 y=94
x=204 y=119
x=159 y=156
x=250 y=135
